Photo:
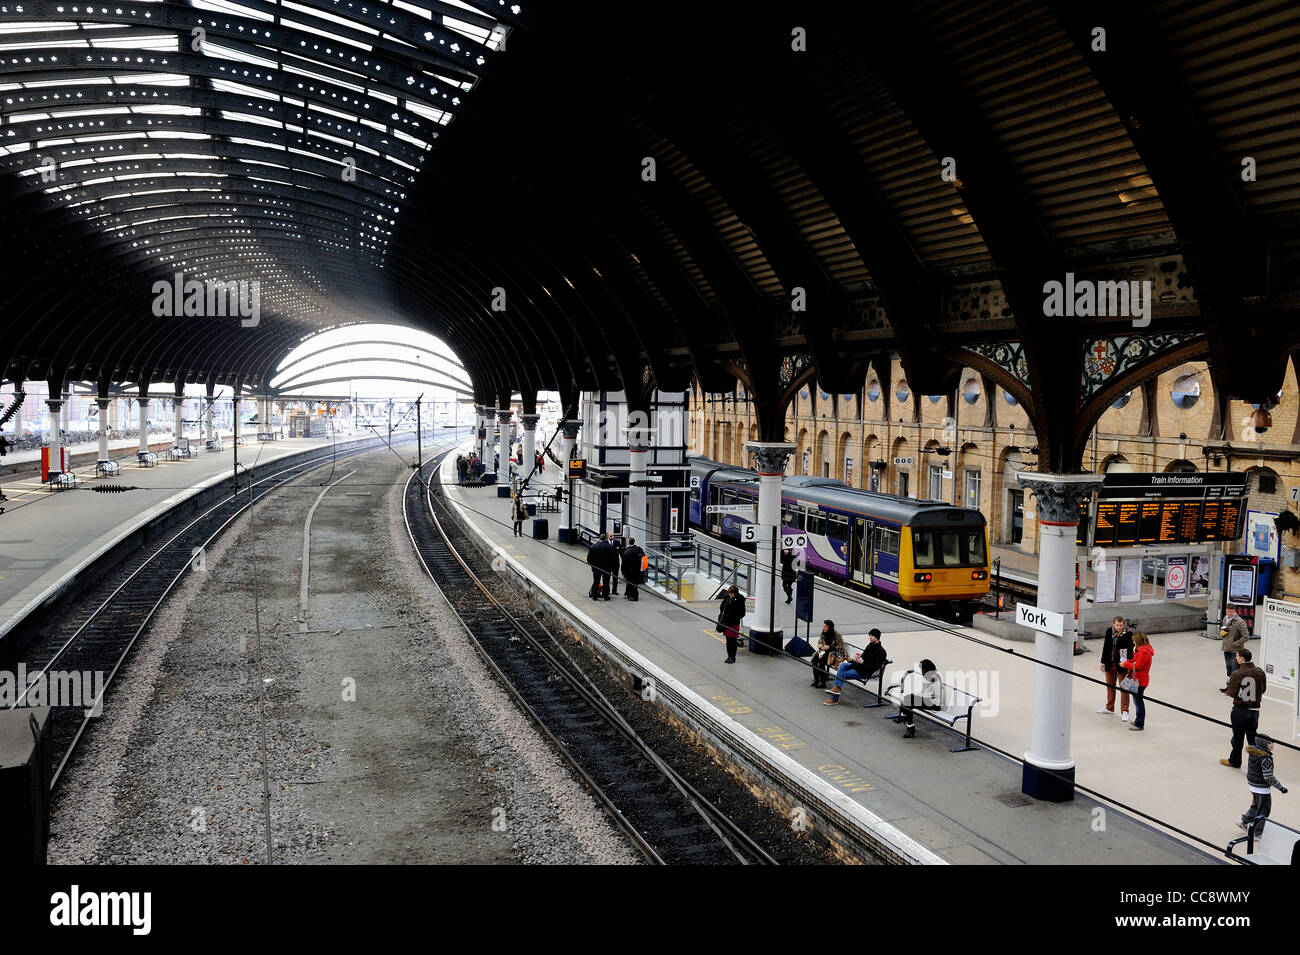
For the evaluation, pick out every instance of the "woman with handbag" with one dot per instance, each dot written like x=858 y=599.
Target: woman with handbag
x=730 y=613
x=830 y=651
x=1139 y=676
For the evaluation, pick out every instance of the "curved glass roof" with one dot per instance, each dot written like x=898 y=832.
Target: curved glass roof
x=241 y=141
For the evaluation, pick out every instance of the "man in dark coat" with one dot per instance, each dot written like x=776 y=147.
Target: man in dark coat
x=632 y=569
x=618 y=545
x=1235 y=636
x=604 y=561
x=788 y=574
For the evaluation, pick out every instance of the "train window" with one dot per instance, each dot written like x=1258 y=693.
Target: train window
x=837 y=527
x=794 y=518
x=949 y=548
x=975 y=547
x=816 y=523
x=887 y=541
x=922 y=549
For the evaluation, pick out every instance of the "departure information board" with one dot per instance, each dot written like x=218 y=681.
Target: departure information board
x=1126 y=523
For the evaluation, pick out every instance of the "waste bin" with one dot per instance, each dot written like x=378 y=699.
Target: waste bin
x=25 y=770
x=541 y=528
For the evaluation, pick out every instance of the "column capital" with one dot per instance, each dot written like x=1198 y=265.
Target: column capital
x=504 y=414
x=530 y=421
x=569 y=427
x=54 y=404
x=1059 y=495
x=103 y=403
x=770 y=457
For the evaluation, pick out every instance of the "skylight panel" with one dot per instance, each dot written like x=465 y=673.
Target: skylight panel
x=325 y=38
x=240 y=89
x=212 y=48
x=226 y=7
x=249 y=118
x=326 y=15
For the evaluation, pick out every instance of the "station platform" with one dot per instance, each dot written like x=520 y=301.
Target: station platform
x=967 y=806
x=47 y=537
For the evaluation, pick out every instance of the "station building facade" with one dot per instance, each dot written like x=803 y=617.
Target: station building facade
x=966 y=447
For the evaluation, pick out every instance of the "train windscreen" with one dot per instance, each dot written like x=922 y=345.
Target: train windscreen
x=949 y=547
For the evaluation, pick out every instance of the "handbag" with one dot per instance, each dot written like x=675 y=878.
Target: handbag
x=1130 y=684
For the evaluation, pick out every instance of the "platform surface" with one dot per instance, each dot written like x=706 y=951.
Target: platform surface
x=965 y=806
x=46 y=535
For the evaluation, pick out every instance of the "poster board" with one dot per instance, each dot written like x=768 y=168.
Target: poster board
x=1241 y=585
x=1279 y=651
x=1130 y=579
x=1262 y=539
x=1198 y=576
x=1176 y=578
x=1106 y=581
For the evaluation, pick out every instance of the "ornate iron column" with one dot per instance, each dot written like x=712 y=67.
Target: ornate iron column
x=144 y=418
x=569 y=431
x=1049 y=768
x=103 y=428
x=503 y=449
x=530 y=455
x=54 y=441
x=770 y=458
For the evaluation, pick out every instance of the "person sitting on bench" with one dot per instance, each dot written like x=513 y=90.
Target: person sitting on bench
x=925 y=693
x=860 y=667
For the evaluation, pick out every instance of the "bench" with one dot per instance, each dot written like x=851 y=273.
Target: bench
x=266 y=436
x=546 y=503
x=879 y=677
x=957 y=705
x=106 y=468
x=146 y=459
x=1277 y=845
x=214 y=444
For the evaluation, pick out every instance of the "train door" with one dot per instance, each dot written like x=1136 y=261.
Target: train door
x=1017 y=516
x=860 y=550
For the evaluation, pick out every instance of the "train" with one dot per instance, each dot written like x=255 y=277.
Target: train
x=929 y=555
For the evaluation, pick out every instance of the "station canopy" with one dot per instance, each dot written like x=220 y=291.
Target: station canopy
x=576 y=195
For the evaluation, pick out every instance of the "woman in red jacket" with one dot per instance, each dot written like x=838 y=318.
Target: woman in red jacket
x=1140 y=667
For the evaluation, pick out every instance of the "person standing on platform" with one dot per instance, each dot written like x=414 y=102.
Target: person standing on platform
x=730 y=613
x=1235 y=636
x=518 y=514
x=597 y=558
x=460 y=468
x=1246 y=686
x=860 y=667
x=1117 y=646
x=830 y=651
x=617 y=544
x=633 y=562
x=1260 y=780
x=1140 y=668
x=788 y=574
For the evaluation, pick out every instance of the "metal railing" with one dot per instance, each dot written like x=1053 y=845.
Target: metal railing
x=663 y=571
x=723 y=565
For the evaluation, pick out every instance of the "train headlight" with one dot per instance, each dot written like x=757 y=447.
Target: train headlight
x=924 y=578
x=979 y=575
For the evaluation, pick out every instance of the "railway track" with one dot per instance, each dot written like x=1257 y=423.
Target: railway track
x=663 y=815
x=98 y=632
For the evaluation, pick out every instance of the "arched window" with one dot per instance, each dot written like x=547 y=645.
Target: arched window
x=1186 y=391
x=903 y=391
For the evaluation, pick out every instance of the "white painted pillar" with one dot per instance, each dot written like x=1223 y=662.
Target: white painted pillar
x=18 y=415
x=211 y=426
x=503 y=445
x=530 y=452
x=234 y=420
x=177 y=427
x=103 y=404
x=569 y=436
x=770 y=459
x=53 y=442
x=1048 y=772
x=65 y=414
x=636 y=478
x=143 y=403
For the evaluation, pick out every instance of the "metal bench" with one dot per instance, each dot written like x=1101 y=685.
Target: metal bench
x=266 y=436
x=62 y=480
x=214 y=444
x=106 y=468
x=546 y=504
x=146 y=459
x=1277 y=845
x=878 y=676
x=957 y=705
